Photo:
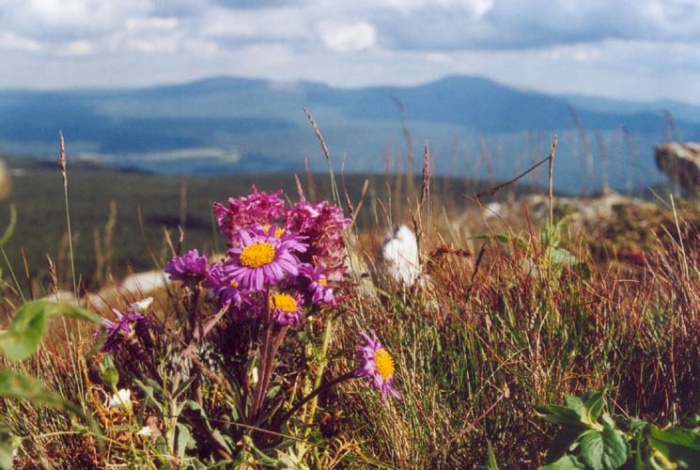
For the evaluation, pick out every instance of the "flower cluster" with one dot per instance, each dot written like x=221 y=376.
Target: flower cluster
x=280 y=259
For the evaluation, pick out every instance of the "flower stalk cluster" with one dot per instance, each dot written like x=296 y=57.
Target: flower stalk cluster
x=282 y=263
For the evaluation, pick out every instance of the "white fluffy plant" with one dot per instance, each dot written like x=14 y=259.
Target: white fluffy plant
x=400 y=258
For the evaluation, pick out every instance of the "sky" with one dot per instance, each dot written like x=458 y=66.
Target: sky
x=624 y=49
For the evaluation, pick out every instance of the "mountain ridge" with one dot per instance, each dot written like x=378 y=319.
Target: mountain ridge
x=262 y=121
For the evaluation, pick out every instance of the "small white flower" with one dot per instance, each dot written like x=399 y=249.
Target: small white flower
x=141 y=306
x=254 y=376
x=121 y=399
x=145 y=431
x=400 y=253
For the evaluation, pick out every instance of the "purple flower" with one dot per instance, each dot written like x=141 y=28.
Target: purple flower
x=190 y=268
x=286 y=308
x=257 y=208
x=125 y=326
x=227 y=291
x=322 y=224
x=260 y=260
x=318 y=288
x=377 y=365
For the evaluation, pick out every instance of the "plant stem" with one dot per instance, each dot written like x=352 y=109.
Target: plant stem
x=314 y=394
x=264 y=353
x=321 y=367
x=553 y=147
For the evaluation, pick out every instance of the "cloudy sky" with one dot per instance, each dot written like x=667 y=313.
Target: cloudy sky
x=631 y=49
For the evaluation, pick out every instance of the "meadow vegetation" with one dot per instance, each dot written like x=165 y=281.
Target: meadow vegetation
x=530 y=339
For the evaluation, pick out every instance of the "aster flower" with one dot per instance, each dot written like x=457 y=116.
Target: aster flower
x=377 y=365
x=318 y=288
x=286 y=308
x=190 y=268
x=257 y=208
x=261 y=260
x=126 y=325
x=227 y=291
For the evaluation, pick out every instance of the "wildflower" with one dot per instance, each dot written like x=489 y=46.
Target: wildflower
x=141 y=306
x=190 y=268
x=145 y=431
x=258 y=208
x=377 y=365
x=121 y=399
x=318 y=288
x=286 y=308
x=400 y=256
x=262 y=260
x=322 y=224
x=126 y=325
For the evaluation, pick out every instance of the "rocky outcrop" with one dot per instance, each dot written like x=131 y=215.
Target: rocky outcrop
x=681 y=163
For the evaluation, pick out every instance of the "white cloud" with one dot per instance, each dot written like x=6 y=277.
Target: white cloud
x=10 y=40
x=77 y=48
x=552 y=45
x=347 y=37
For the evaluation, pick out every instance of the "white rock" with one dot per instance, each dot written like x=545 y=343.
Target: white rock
x=400 y=256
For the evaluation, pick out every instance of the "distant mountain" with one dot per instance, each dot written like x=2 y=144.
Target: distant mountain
x=227 y=124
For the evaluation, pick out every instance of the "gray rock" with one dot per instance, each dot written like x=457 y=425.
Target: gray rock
x=681 y=163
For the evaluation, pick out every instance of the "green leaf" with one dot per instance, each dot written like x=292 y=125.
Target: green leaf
x=109 y=372
x=491 y=463
x=593 y=402
x=562 y=257
x=604 y=450
x=14 y=385
x=568 y=462
x=27 y=329
x=559 y=415
x=7 y=447
x=678 y=445
x=184 y=439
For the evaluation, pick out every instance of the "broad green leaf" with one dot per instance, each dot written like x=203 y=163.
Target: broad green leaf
x=678 y=436
x=22 y=339
x=594 y=401
x=592 y=449
x=562 y=257
x=568 y=462
x=678 y=445
x=604 y=450
x=615 y=451
x=559 y=415
x=24 y=334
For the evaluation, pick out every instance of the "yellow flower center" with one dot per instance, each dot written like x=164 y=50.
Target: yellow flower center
x=323 y=282
x=384 y=363
x=278 y=230
x=258 y=254
x=284 y=302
